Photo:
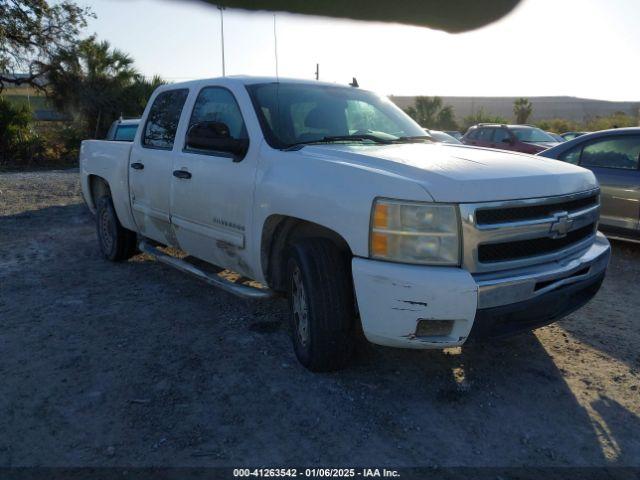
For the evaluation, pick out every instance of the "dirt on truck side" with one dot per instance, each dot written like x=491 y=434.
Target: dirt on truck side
x=137 y=364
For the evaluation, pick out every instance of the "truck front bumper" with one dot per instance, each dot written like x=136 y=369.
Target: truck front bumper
x=411 y=306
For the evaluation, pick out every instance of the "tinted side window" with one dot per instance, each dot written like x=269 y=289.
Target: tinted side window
x=216 y=104
x=500 y=134
x=572 y=155
x=162 y=122
x=484 y=134
x=621 y=152
x=472 y=135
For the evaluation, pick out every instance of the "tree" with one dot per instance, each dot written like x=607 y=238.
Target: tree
x=31 y=33
x=479 y=116
x=522 y=109
x=430 y=112
x=96 y=83
x=137 y=94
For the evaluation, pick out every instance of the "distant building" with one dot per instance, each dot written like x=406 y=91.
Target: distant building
x=571 y=108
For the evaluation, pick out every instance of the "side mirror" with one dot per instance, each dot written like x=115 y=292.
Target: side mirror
x=215 y=137
x=507 y=140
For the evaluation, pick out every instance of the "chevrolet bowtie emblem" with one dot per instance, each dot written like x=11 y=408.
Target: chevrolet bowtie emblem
x=561 y=225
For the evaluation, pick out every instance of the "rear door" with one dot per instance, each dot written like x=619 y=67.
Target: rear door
x=615 y=162
x=212 y=191
x=151 y=165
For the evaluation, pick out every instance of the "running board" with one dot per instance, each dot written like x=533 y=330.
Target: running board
x=239 y=290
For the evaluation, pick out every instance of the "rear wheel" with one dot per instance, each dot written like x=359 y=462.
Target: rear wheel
x=116 y=242
x=322 y=305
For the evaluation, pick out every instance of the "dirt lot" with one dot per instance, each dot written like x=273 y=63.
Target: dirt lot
x=136 y=364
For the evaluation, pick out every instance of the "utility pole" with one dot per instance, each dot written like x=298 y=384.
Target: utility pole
x=221 y=8
x=317 y=71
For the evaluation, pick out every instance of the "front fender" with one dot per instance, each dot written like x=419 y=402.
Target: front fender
x=335 y=194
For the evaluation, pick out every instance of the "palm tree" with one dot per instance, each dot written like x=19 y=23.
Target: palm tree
x=522 y=109
x=430 y=112
x=89 y=81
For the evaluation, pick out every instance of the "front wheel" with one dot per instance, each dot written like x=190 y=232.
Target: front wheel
x=116 y=242
x=322 y=304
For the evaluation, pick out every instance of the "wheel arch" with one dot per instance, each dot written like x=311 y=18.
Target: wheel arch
x=281 y=231
x=98 y=187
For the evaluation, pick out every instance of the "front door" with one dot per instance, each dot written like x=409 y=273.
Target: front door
x=212 y=191
x=151 y=165
x=614 y=161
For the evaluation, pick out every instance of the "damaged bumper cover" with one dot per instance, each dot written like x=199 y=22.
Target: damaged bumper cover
x=396 y=301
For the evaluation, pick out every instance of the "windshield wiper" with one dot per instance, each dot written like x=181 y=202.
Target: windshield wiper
x=414 y=139
x=339 y=138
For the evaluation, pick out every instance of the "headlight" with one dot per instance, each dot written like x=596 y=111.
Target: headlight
x=415 y=233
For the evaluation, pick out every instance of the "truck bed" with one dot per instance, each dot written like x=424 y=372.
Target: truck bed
x=108 y=160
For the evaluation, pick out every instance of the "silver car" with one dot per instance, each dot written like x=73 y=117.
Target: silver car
x=614 y=157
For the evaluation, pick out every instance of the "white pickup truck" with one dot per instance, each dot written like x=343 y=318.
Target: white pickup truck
x=334 y=197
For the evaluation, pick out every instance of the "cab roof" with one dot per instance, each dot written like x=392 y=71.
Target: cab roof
x=248 y=80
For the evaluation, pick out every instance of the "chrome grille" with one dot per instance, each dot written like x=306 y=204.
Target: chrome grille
x=518 y=233
x=489 y=216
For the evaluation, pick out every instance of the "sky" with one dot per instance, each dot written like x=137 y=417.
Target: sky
x=583 y=48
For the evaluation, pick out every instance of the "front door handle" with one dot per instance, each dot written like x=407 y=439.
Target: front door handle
x=182 y=174
x=137 y=166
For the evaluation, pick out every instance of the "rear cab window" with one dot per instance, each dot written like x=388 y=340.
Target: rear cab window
x=125 y=133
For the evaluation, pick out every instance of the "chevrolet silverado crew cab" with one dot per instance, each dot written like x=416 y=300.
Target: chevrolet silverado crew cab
x=334 y=197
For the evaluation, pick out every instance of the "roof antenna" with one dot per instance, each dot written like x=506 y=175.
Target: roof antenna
x=221 y=8
x=275 y=45
x=354 y=83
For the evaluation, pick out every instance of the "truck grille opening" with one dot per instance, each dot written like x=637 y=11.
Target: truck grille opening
x=491 y=216
x=502 y=252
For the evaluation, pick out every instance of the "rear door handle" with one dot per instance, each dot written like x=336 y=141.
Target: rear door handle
x=137 y=166
x=182 y=174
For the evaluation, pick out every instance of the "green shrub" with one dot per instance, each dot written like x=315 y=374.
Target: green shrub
x=558 y=125
x=19 y=143
x=615 y=120
x=60 y=142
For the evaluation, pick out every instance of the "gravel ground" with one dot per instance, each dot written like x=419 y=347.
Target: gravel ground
x=136 y=364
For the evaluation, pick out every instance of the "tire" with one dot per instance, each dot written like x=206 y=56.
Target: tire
x=116 y=242
x=321 y=302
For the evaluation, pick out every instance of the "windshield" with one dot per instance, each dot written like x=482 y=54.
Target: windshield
x=291 y=114
x=532 y=135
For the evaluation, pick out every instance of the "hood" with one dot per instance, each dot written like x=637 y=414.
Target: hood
x=456 y=173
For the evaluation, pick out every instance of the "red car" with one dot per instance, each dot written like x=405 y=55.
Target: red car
x=518 y=138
